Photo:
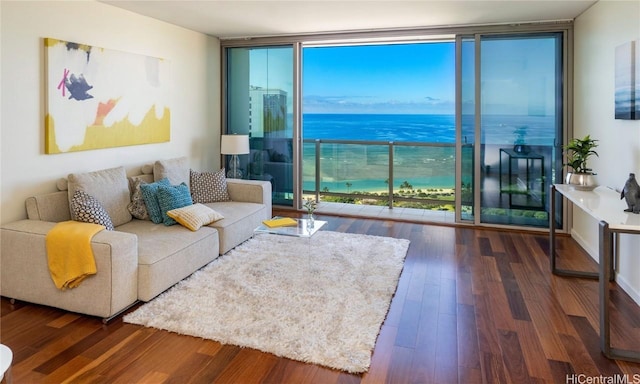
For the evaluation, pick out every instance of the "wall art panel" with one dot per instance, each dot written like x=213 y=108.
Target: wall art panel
x=627 y=81
x=102 y=98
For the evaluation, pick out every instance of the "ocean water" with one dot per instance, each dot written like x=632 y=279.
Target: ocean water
x=497 y=129
x=427 y=128
x=350 y=168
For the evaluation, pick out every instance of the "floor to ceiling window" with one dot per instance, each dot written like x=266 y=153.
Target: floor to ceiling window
x=472 y=125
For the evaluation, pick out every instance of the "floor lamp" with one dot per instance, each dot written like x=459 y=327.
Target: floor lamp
x=234 y=145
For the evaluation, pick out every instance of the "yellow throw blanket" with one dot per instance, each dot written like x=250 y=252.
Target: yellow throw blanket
x=69 y=252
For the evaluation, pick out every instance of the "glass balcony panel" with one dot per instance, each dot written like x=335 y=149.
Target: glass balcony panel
x=424 y=176
x=358 y=169
x=359 y=173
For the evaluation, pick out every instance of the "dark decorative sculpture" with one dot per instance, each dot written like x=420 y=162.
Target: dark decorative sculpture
x=631 y=193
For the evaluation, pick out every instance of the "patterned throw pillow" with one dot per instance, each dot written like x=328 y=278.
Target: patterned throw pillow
x=87 y=209
x=137 y=207
x=149 y=194
x=209 y=187
x=195 y=216
x=172 y=197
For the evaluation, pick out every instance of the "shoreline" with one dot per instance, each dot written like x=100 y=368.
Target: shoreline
x=428 y=185
x=428 y=190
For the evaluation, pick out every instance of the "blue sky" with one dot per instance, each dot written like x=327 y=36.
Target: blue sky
x=518 y=77
x=400 y=78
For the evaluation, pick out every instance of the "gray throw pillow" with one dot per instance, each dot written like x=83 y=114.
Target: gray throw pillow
x=137 y=207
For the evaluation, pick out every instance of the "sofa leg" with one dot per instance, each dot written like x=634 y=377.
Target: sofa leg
x=105 y=320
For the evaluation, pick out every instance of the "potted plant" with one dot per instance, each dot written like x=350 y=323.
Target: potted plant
x=310 y=205
x=578 y=152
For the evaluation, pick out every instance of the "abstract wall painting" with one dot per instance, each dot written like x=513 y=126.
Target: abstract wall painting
x=627 y=81
x=101 y=98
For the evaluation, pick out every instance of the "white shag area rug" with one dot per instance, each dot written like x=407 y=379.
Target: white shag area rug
x=320 y=300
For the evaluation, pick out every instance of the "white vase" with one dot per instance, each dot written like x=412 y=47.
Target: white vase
x=310 y=220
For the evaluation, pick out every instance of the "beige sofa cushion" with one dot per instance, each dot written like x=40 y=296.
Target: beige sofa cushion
x=49 y=207
x=176 y=170
x=240 y=219
x=168 y=254
x=109 y=186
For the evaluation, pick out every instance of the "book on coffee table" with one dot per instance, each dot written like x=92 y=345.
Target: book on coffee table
x=298 y=227
x=280 y=222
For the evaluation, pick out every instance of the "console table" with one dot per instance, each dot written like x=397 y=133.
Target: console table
x=530 y=159
x=604 y=205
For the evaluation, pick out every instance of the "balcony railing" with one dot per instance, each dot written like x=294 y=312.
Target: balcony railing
x=414 y=174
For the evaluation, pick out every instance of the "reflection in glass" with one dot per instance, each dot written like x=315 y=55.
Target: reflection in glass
x=520 y=126
x=260 y=104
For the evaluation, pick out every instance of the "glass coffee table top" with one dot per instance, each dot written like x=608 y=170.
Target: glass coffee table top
x=301 y=229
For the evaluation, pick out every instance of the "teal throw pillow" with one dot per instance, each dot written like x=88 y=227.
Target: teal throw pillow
x=173 y=197
x=149 y=195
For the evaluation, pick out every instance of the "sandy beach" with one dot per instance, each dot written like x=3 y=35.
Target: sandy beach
x=427 y=190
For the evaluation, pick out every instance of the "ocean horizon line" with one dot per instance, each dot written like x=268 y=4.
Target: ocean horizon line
x=422 y=114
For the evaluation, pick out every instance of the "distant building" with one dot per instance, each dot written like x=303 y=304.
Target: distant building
x=267 y=112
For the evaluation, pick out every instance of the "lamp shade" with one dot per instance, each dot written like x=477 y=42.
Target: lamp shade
x=234 y=144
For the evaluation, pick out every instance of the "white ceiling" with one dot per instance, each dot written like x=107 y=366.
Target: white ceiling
x=242 y=18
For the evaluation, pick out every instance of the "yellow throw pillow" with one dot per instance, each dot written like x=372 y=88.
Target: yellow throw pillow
x=194 y=216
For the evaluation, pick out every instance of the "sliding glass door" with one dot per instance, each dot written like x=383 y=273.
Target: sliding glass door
x=259 y=103
x=518 y=117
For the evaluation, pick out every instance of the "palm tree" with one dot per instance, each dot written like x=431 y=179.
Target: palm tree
x=349 y=185
x=405 y=185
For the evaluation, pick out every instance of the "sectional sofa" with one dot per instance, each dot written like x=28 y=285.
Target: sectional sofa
x=139 y=259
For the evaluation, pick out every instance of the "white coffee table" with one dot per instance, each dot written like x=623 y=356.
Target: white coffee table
x=299 y=230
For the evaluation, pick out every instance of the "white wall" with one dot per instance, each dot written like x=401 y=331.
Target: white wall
x=598 y=31
x=195 y=105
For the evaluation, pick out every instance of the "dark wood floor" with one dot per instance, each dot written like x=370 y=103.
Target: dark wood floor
x=472 y=306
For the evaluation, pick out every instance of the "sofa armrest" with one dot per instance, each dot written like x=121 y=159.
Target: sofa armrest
x=24 y=270
x=250 y=191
